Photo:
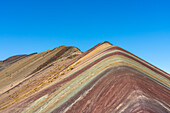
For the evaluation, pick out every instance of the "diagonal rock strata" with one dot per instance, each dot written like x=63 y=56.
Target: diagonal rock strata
x=104 y=79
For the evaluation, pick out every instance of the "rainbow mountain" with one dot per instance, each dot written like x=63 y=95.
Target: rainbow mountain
x=104 y=79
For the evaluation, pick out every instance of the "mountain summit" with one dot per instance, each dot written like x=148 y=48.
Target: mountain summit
x=104 y=79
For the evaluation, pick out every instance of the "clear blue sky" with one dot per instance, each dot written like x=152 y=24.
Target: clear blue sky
x=139 y=26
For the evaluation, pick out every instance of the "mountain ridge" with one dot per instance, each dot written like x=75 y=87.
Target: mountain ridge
x=105 y=78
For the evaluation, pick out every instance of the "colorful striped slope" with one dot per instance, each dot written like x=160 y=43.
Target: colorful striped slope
x=104 y=79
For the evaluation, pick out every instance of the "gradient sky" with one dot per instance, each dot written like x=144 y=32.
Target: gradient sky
x=139 y=26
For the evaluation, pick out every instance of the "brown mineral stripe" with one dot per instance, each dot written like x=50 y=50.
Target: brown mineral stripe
x=118 y=48
x=119 y=53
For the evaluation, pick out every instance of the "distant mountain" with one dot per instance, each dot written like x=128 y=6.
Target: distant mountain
x=104 y=79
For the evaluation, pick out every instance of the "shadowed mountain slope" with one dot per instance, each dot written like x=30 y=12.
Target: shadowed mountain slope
x=104 y=79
